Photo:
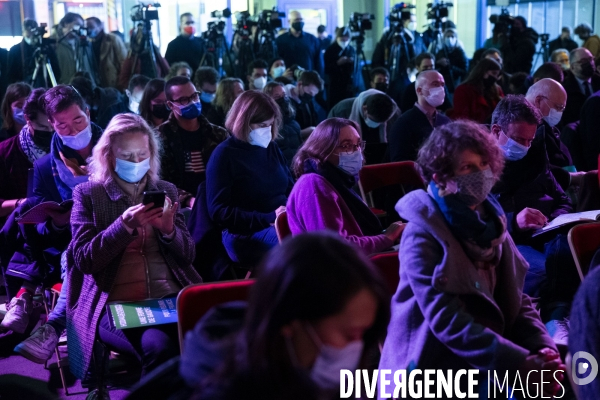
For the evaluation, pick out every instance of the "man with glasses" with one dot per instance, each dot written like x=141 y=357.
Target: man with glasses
x=186 y=47
x=580 y=83
x=188 y=139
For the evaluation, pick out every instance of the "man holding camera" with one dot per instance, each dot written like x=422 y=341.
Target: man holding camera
x=109 y=50
x=74 y=50
x=186 y=47
x=519 y=49
x=22 y=57
x=299 y=47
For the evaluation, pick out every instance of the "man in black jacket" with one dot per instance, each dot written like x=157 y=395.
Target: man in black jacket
x=564 y=41
x=186 y=47
x=580 y=83
x=519 y=50
x=414 y=126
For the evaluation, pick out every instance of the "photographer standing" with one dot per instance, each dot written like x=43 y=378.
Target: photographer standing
x=21 y=59
x=519 y=49
x=299 y=47
x=73 y=50
x=109 y=50
x=339 y=67
x=186 y=47
x=451 y=60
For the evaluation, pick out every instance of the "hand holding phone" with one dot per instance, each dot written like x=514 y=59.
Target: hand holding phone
x=157 y=198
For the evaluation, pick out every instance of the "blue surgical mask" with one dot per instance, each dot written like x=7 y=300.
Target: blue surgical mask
x=372 y=124
x=19 y=116
x=513 y=151
x=191 y=111
x=278 y=71
x=79 y=141
x=207 y=97
x=325 y=371
x=132 y=172
x=352 y=163
x=260 y=137
x=553 y=117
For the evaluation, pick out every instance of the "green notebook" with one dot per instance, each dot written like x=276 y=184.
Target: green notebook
x=135 y=314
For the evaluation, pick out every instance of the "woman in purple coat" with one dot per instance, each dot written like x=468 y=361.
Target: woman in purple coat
x=460 y=303
x=123 y=250
x=327 y=168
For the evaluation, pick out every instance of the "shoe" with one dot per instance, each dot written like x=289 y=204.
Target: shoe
x=559 y=331
x=40 y=345
x=17 y=316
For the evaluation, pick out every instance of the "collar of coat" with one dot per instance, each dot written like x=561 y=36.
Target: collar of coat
x=115 y=192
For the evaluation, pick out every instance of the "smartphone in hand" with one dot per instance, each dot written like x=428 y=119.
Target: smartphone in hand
x=157 y=197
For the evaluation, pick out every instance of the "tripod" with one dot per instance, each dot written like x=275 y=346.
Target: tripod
x=85 y=60
x=215 y=49
x=543 y=52
x=359 y=60
x=399 y=51
x=245 y=56
x=42 y=66
x=143 y=45
x=267 y=47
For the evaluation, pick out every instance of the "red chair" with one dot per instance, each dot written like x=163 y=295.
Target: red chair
x=375 y=176
x=194 y=301
x=388 y=265
x=584 y=240
x=282 y=227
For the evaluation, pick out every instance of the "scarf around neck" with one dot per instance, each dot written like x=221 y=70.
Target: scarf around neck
x=32 y=151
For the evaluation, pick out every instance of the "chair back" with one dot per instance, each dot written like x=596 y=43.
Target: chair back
x=194 y=301
x=375 y=176
x=388 y=265
x=584 y=240
x=282 y=227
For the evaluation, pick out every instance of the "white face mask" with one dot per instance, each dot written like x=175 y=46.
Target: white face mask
x=134 y=106
x=412 y=26
x=450 y=41
x=342 y=43
x=28 y=40
x=260 y=137
x=553 y=117
x=278 y=71
x=372 y=124
x=436 y=96
x=259 y=83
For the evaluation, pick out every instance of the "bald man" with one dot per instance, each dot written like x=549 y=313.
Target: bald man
x=299 y=47
x=580 y=83
x=550 y=98
x=414 y=126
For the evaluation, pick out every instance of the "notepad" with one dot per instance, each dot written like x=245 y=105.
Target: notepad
x=569 y=219
x=41 y=212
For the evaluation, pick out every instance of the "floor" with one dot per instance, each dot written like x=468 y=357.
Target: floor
x=22 y=379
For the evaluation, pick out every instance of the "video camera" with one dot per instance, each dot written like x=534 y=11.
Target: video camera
x=438 y=11
x=216 y=28
x=503 y=22
x=269 y=20
x=144 y=12
x=244 y=23
x=401 y=12
x=360 y=22
x=226 y=13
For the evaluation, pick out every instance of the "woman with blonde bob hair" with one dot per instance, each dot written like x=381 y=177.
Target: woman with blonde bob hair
x=461 y=275
x=247 y=178
x=327 y=167
x=228 y=90
x=122 y=249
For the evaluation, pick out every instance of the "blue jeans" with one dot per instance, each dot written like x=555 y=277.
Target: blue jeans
x=536 y=275
x=58 y=317
x=249 y=249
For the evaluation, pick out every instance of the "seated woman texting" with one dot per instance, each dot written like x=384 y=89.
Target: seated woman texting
x=327 y=167
x=461 y=275
x=123 y=250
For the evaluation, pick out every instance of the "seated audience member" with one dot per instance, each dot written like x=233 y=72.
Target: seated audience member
x=519 y=82
x=290 y=137
x=55 y=176
x=580 y=83
x=153 y=105
x=478 y=96
x=584 y=325
x=423 y=62
x=374 y=112
x=549 y=70
x=571 y=137
x=247 y=179
x=18 y=153
x=134 y=92
x=123 y=250
x=257 y=74
x=327 y=167
x=188 y=139
x=549 y=97
x=205 y=80
x=463 y=290
x=315 y=296
x=180 y=68
x=379 y=79
x=496 y=55
x=308 y=112
x=101 y=102
x=561 y=57
x=590 y=132
x=451 y=60
x=228 y=90
x=413 y=128
x=13 y=120
x=339 y=67
x=277 y=69
x=531 y=197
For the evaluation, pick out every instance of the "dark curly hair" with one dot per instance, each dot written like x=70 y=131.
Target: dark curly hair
x=440 y=151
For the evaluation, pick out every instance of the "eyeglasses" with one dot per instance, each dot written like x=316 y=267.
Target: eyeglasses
x=184 y=101
x=553 y=105
x=351 y=148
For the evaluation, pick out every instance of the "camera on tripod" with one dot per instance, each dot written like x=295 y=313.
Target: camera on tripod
x=226 y=13
x=38 y=34
x=216 y=28
x=360 y=22
x=438 y=11
x=503 y=22
x=269 y=20
x=244 y=24
x=401 y=12
x=144 y=12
